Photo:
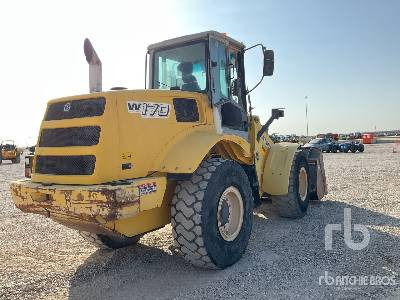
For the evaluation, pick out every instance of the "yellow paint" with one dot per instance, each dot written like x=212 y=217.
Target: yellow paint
x=149 y=144
x=259 y=149
x=99 y=204
x=153 y=147
x=185 y=153
x=277 y=168
x=6 y=155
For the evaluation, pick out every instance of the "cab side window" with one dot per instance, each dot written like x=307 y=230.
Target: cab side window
x=233 y=76
x=222 y=70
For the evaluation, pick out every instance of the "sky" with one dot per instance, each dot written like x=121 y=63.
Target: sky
x=343 y=55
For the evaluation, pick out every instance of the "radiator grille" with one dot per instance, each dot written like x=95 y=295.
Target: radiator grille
x=65 y=165
x=76 y=109
x=72 y=136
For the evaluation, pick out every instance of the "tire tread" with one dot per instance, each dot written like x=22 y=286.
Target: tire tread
x=186 y=214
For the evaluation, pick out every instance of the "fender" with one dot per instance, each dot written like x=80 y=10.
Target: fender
x=275 y=180
x=186 y=151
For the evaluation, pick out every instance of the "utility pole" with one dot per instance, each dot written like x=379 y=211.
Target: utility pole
x=306 y=97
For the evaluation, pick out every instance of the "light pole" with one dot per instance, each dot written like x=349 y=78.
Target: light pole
x=305 y=98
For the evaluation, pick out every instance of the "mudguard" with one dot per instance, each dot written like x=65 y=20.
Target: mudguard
x=277 y=168
x=318 y=186
x=278 y=165
x=185 y=153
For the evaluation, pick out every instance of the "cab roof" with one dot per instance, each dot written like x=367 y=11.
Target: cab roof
x=197 y=36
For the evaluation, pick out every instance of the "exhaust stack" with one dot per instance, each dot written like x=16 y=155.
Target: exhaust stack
x=95 y=73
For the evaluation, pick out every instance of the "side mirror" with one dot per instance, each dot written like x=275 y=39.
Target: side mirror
x=268 y=69
x=277 y=113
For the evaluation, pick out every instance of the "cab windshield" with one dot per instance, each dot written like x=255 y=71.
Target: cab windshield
x=181 y=68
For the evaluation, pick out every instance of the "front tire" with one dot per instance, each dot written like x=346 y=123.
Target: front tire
x=212 y=214
x=295 y=203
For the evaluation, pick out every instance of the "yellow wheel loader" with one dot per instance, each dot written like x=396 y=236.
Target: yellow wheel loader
x=9 y=151
x=187 y=151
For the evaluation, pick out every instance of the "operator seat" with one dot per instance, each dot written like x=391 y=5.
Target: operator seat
x=189 y=81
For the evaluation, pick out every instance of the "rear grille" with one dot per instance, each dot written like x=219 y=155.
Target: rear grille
x=76 y=109
x=186 y=110
x=72 y=136
x=65 y=165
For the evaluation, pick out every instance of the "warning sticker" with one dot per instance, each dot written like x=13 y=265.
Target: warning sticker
x=149 y=109
x=147 y=188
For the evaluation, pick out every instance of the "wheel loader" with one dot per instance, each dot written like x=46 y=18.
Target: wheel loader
x=185 y=150
x=9 y=151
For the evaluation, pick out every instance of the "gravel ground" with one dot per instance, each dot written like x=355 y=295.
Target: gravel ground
x=284 y=259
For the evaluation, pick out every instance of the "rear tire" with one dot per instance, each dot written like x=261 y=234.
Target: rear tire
x=295 y=203
x=361 y=148
x=107 y=242
x=212 y=214
x=353 y=148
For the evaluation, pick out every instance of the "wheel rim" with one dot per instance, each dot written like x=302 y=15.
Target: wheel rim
x=230 y=213
x=303 y=184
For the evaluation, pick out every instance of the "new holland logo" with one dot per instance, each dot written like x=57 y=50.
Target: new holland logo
x=149 y=109
x=67 y=107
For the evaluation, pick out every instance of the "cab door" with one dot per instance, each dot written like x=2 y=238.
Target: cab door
x=228 y=109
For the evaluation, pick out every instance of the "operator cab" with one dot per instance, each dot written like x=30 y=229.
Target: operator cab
x=208 y=62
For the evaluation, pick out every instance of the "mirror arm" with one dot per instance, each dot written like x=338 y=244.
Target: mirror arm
x=265 y=128
x=262 y=46
x=263 y=49
x=249 y=91
x=276 y=114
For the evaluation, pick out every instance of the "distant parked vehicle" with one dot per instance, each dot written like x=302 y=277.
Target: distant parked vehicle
x=325 y=145
x=351 y=146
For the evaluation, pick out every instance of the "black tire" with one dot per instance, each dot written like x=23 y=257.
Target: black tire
x=107 y=242
x=361 y=148
x=291 y=205
x=334 y=149
x=353 y=148
x=194 y=214
x=346 y=150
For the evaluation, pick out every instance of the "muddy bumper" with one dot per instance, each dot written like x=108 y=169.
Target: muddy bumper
x=89 y=206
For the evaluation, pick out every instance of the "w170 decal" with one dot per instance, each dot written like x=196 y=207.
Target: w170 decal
x=149 y=109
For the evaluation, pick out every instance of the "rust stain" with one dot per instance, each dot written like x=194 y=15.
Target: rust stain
x=86 y=207
x=67 y=197
x=109 y=194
